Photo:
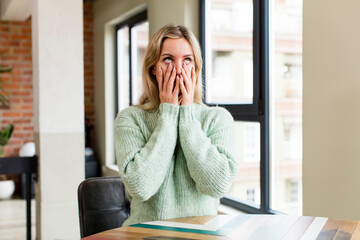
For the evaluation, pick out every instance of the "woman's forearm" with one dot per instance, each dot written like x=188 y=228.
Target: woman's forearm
x=210 y=155
x=144 y=163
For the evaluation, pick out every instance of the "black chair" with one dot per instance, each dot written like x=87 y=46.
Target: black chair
x=103 y=204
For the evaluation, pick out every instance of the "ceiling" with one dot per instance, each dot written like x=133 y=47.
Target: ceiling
x=15 y=10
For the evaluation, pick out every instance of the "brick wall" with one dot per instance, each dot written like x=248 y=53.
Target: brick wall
x=89 y=70
x=15 y=51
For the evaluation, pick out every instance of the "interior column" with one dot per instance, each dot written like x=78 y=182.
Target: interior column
x=58 y=83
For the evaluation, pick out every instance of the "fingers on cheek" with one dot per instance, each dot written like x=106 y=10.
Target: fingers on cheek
x=160 y=74
x=188 y=69
x=193 y=75
x=184 y=74
x=184 y=69
x=184 y=84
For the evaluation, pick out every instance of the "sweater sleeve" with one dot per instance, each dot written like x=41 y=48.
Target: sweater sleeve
x=143 y=164
x=209 y=155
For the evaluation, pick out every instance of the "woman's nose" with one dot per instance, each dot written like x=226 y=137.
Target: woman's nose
x=178 y=67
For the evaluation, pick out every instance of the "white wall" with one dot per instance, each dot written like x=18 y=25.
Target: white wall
x=331 y=110
x=161 y=12
x=107 y=13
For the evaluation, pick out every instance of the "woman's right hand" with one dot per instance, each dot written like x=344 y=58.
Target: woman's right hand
x=168 y=84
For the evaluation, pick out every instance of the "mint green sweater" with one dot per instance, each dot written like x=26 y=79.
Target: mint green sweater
x=175 y=161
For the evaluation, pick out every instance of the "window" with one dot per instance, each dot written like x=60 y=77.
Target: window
x=247 y=138
x=132 y=37
x=253 y=67
x=251 y=141
x=294 y=191
x=250 y=195
x=286 y=105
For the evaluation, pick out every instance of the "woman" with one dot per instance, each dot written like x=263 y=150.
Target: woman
x=175 y=155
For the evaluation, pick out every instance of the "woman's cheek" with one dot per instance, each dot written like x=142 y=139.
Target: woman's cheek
x=164 y=66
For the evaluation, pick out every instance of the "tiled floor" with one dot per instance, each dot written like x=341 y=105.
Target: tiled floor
x=13 y=219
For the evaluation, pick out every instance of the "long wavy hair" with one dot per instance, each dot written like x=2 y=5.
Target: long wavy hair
x=150 y=99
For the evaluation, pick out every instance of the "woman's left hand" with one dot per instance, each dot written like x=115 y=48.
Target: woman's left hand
x=187 y=84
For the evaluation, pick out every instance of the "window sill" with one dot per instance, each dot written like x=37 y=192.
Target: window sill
x=223 y=209
x=113 y=167
x=110 y=170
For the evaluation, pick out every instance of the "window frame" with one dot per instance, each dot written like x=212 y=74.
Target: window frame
x=258 y=111
x=130 y=23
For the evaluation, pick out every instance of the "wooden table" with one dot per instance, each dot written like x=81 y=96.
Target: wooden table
x=246 y=226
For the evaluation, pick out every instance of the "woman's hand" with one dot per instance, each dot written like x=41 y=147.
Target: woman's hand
x=168 y=84
x=187 y=84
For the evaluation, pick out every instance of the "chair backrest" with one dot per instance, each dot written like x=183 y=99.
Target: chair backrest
x=103 y=204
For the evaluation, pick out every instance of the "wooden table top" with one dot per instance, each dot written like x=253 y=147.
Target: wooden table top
x=244 y=226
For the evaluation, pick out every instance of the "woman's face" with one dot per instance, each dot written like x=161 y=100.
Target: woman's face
x=176 y=52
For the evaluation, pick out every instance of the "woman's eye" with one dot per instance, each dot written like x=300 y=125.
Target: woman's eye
x=167 y=60
x=187 y=60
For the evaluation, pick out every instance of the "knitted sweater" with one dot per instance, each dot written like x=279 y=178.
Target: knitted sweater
x=175 y=161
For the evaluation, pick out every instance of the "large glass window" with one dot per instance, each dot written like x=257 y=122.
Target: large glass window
x=231 y=49
x=286 y=106
x=140 y=39
x=247 y=138
x=132 y=37
x=253 y=67
x=229 y=58
x=123 y=76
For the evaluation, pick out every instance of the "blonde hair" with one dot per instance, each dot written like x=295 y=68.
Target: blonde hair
x=150 y=99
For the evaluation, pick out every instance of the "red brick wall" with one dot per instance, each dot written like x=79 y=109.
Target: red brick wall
x=89 y=69
x=15 y=51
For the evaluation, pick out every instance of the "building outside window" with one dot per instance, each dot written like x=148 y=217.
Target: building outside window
x=235 y=39
x=294 y=191
x=250 y=195
x=286 y=104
